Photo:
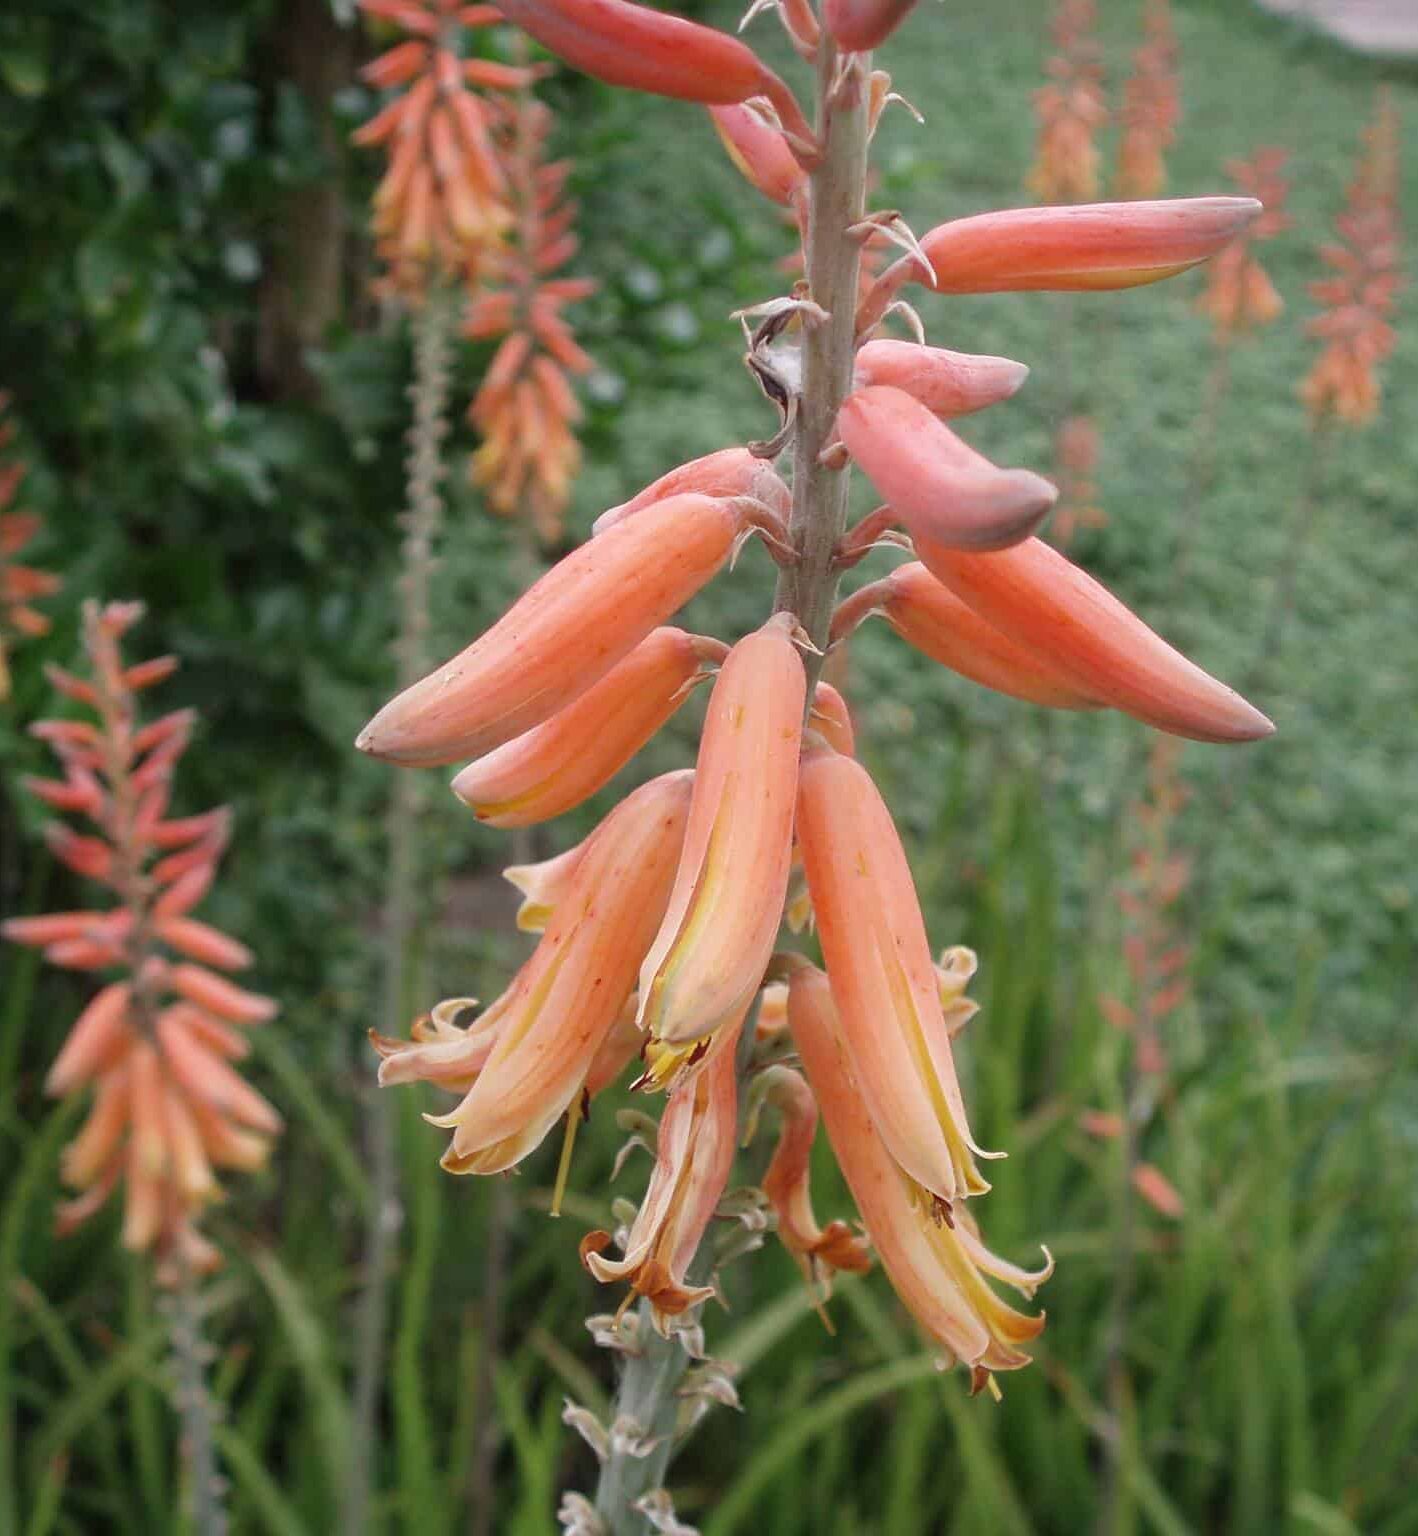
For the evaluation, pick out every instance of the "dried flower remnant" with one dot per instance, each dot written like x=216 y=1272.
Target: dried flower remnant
x=157 y=1041
x=1239 y=295
x=20 y=585
x=443 y=199
x=526 y=409
x=1355 y=329
x=1152 y=107
x=1070 y=109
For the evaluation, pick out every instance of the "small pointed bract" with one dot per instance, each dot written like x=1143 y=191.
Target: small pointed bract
x=946 y=383
x=564 y=634
x=569 y=995
x=938 y=485
x=883 y=976
x=719 y=929
x=694 y=1154
x=1046 y=604
x=558 y=764
x=937 y=1267
x=931 y=617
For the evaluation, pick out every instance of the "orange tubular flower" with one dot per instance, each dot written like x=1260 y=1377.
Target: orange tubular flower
x=708 y=959
x=157 y=1045
x=564 y=634
x=1355 y=328
x=557 y=765
x=1239 y=294
x=566 y=1000
x=20 y=584
x=938 y=485
x=694 y=1155
x=442 y=201
x=883 y=978
x=860 y=25
x=647 y=50
x=938 y=1268
x=1070 y=109
x=729 y=472
x=761 y=153
x=526 y=409
x=1151 y=107
x=818 y=1251
x=1044 y=603
x=542 y=886
x=929 y=616
x=946 y=383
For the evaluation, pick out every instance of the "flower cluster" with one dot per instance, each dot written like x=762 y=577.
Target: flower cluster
x=156 y=1043
x=1071 y=109
x=443 y=198
x=1239 y=295
x=1355 y=329
x=20 y=584
x=1151 y=107
x=660 y=934
x=1077 y=449
x=526 y=410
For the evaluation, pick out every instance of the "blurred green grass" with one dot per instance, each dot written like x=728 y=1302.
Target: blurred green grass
x=1275 y=1327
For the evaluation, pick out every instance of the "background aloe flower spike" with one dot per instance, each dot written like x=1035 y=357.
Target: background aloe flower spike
x=659 y=931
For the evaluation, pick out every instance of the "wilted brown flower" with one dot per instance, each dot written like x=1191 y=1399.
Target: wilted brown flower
x=1344 y=382
x=1070 y=109
x=156 y=1042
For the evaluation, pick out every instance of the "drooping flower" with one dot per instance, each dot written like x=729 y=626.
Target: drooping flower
x=883 y=978
x=526 y=409
x=936 y=1261
x=1070 y=109
x=1151 y=107
x=1239 y=295
x=694 y=1154
x=708 y=959
x=946 y=383
x=156 y=1044
x=20 y=584
x=1355 y=328
x=443 y=199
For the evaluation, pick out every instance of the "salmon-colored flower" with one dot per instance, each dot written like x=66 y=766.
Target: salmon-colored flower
x=708 y=959
x=729 y=472
x=1047 y=605
x=947 y=383
x=564 y=634
x=442 y=201
x=883 y=978
x=542 y=885
x=566 y=1000
x=20 y=585
x=928 y=615
x=694 y=1154
x=935 y=483
x=937 y=1266
x=1076 y=453
x=759 y=150
x=1070 y=109
x=860 y=25
x=156 y=1045
x=526 y=410
x=647 y=50
x=1151 y=107
x=564 y=761
x=1239 y=295
x=817 y=1250
x=831 y=717
x=1355 y=328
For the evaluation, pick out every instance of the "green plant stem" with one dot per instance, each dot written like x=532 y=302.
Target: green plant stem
x=434 y=325
x=646 y=1395
x=195 y=1407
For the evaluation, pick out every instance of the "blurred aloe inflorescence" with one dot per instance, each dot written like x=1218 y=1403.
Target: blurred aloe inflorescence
x=661 y=932
x=20 y=585
x=156 y=1043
